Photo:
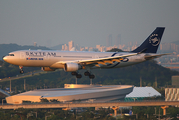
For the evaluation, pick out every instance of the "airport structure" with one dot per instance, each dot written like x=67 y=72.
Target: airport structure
x=3 y=93
x=139 y=93
x=74 y=92
x=86 y=93
x=78 y=95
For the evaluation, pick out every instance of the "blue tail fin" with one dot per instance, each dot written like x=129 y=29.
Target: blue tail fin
x=150 y=45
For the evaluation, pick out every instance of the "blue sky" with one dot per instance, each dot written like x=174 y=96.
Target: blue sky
x=86 y=22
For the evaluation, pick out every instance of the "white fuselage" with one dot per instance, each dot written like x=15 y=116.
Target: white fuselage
x=50 y=58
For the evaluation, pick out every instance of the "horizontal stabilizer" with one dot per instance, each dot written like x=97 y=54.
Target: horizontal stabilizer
x=149 y=57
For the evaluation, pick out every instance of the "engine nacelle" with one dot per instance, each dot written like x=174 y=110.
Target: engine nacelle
x=48 y=69
x=71 y=67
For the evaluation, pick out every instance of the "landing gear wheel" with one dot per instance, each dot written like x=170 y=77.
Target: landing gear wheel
x=91 y=76
x=78 y=76
x=21 y=71
x=87 y=73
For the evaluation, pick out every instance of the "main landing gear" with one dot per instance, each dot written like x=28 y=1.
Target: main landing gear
x=76 y=74
x=87 y=73
x=21 y=70
x=91 y=76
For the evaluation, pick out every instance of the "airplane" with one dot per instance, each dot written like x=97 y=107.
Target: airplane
x=73 y=61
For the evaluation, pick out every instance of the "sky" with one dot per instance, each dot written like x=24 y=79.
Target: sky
x=86 y=22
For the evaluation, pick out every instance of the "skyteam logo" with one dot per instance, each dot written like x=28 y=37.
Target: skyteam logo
x=154 y=40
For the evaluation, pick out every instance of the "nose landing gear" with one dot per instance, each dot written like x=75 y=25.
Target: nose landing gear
x=21 y=70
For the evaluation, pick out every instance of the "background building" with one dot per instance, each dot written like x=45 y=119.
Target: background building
x=175 y=81
x=109 y=41
x=70 y=45
x=171 y=94
x=118 y=40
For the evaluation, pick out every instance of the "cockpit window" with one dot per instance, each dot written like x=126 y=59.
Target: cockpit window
x=11 y=54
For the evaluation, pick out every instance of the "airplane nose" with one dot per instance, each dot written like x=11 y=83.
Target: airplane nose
x=4 y=58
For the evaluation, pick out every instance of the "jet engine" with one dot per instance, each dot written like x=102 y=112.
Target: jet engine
x=71 y=67
x=48 y=69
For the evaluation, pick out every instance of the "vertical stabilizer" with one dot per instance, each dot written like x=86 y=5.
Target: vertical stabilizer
x=151 y=44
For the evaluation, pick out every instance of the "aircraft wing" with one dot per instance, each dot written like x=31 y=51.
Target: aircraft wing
x=148 y=57
x=103 y=61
